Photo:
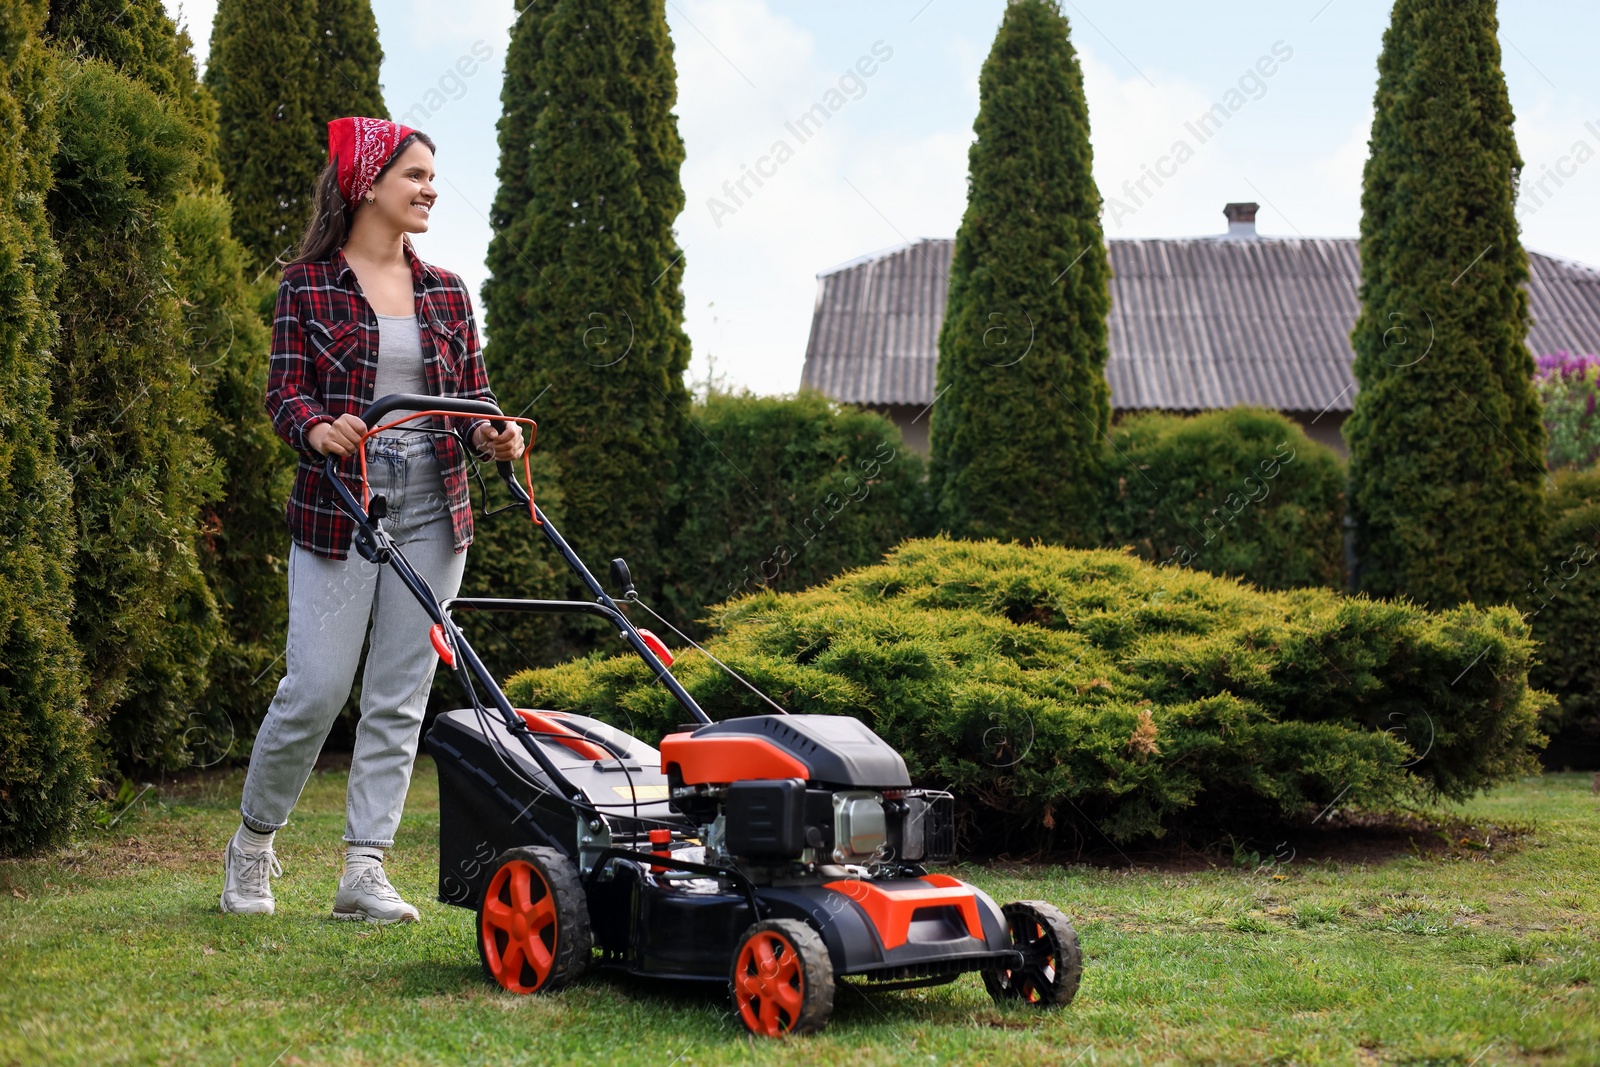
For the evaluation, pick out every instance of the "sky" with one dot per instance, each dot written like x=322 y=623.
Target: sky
x=890 y=163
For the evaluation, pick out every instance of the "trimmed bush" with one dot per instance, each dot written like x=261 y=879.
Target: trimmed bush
x=1563 y=605
x=1062 y=693
x=44 y=760
x=782 y=493
x=1242 y=493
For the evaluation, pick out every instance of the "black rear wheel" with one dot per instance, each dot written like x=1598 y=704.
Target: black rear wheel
x=1052 y=963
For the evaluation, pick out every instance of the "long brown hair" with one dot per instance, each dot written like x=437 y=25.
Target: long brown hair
x=331 y=217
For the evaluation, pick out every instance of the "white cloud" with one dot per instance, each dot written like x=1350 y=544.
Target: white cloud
x=1134 y=124
x=430 y=24
x=196 y=16
x=752 y=254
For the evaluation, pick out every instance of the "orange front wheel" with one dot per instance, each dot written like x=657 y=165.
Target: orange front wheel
x=533 y=921
x=782 y=981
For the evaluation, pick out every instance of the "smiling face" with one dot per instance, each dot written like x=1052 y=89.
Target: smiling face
x=404 y=195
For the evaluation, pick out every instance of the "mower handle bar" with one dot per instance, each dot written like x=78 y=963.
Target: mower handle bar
x=484 y=409
x=455 y=405
x=421 y=402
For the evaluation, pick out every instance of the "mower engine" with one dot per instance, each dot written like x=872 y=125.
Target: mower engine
x=805 y=797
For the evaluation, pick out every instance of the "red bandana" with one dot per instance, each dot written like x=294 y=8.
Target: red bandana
x=362 y=146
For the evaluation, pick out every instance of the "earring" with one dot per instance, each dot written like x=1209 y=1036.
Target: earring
x=372 y=200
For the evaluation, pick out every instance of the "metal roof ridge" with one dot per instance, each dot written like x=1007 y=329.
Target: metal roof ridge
x=882 y=253
x=1224 y=239
x=1561 y=260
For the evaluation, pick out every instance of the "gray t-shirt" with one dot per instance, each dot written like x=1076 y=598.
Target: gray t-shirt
x=399 y=364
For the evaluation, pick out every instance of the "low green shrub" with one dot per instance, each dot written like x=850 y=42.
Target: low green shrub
x=1563 y=605
x=1241 y=492
x=1065 y=693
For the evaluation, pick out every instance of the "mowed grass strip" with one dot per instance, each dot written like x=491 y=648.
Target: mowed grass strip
x=114 y=952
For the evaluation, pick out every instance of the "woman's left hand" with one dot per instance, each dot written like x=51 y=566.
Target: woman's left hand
x=503 y=446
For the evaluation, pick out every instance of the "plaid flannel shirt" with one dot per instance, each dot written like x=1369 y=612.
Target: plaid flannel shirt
x=324 y=361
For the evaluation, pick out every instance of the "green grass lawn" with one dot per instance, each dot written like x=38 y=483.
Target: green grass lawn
x=115 y=952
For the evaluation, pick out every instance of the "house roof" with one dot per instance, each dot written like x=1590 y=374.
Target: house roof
x=1196 y=323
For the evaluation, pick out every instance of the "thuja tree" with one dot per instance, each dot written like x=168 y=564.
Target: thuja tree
x=1021 y=399
x=279 y=72
x=345 y=56
x=584 y=309
x=243 y=546
x=129 y=416
x=163 y=719
x=1446 y=445
x=44 y=766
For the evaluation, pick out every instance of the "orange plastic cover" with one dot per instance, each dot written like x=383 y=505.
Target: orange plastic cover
x=728 y=758
x=891 y=910
x=442 y=646
x=580 y=745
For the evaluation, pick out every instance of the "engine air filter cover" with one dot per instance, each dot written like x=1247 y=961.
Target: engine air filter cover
x=859 y=826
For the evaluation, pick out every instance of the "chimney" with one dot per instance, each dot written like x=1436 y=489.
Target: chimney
x=1241 y=221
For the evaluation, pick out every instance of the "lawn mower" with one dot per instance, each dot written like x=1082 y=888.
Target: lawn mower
x=778 y=854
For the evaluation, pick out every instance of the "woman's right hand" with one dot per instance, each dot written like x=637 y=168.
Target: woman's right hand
x=340 y=437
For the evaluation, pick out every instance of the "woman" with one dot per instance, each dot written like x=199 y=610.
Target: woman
x=359 y=316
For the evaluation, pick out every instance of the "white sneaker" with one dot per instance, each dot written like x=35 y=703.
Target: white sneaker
x=247 y=880
x=367 y=896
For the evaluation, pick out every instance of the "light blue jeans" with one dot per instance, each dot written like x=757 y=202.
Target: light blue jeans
x=332 y=603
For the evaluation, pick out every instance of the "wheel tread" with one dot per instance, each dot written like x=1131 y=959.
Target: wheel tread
x=816 y=968
x=1069 y=959
x=574 y=948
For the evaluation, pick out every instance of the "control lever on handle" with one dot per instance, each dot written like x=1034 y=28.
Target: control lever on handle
x=622 y=578
x=508 y=473
x=503 y=466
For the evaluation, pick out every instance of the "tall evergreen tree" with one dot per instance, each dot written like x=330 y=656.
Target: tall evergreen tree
x=1446 y=445
x=243 y=542
x=44 y=766
x=509 y=556
x=162 y=719
x=1021 y=399
x=129 y=415
x=130 y=411
x=344 y=65
x=584 y=309
x=279 y=72
x=141 y=41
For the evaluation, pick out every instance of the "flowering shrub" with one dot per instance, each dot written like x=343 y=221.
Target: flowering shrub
x=1568 y=385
